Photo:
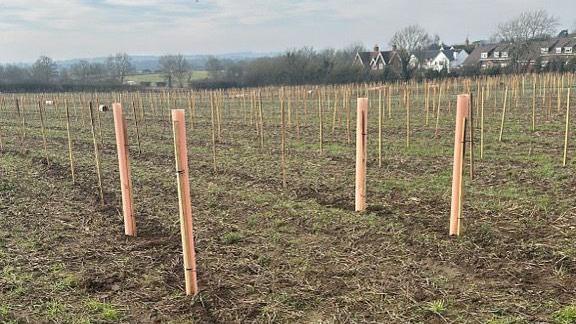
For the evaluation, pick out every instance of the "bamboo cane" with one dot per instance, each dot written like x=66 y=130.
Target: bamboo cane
x=42 y=126
x=283 y=140
x=503 y=115
x=482 y=125
x=566 y=132
x=96 y=154
x=321 y=125
x=380 y=113
x=137 y=128
x=212 y=118
x=70 y=152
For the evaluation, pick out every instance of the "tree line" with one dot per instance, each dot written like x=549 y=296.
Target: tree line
x=296 y=66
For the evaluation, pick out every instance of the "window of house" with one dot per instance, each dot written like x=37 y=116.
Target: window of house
x=484 y=55
x=504 y=54
x=568 y=50
x=558 y=50
x=544 y=50
x=496 y=54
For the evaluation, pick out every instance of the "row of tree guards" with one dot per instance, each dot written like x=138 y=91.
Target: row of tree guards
x=182 y=180
x=463 y=116
x=463 y=113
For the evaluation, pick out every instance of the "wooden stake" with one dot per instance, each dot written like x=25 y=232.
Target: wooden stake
x=124 y=167
x=261 y=120
x=503 y=114
x=212 y=113
x=567 y=130
x=96 y=154
x=534 y=106
x=283 y=140
x=407 y=101
x=321 y=125
x=459 y=142
x=380 y=119
x=70 y=153
x=361 y=153
x=43 y=133
x=482 y=125
x=185 y=203
x=137 y=128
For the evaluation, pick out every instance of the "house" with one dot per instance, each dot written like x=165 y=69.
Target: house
x=378 y=60
x=440 y=59
x=489 y=56
x=561 y=49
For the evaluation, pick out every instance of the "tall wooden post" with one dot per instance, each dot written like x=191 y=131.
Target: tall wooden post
x=462 y=111
x=361 y=153
x=124 y=167
x=182 y=178
x=96 y=154
x=567 y=130
x=70 y=153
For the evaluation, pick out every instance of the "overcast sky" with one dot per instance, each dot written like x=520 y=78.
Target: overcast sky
x=66 y=29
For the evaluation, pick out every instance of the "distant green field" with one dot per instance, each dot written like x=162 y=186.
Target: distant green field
x=159 y=77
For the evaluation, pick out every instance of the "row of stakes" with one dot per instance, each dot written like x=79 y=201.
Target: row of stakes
x=182 y=176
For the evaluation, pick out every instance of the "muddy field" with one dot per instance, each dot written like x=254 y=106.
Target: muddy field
x=297 y=254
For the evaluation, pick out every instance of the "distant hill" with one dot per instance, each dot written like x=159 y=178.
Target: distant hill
x=150 y=62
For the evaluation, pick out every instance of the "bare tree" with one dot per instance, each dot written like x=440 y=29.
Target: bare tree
x=86 y=72
x=411 y=38
x=526 y=26
x=175 y=67
x=573 y=27
x=119 y=66
x=44 y=70
x=214 y=66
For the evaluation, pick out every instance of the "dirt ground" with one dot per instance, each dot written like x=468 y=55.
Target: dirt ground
x=300 y=254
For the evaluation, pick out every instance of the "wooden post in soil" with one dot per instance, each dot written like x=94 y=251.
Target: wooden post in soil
x=334 y=112
x=407 y=102
x=23 y=124
x=321 y=125
x=380 y=118
x=96 y=154
x=213 y=120
x=426 y=102
x=503 y=114
x=390 y=102
x=283 y=139
x=70 y=151
x=361 y=153
x=137 y=128
x=261 y=120
x=534 y=106
x=185 y=203
x=347 y=95
x=436 y=130
x=45 y=143
x=124 y=168
x=482 y=124
x=471 y=127
x=462 y=111
x=567 y=129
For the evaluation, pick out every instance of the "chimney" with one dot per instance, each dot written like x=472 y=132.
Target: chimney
x=376 y=48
